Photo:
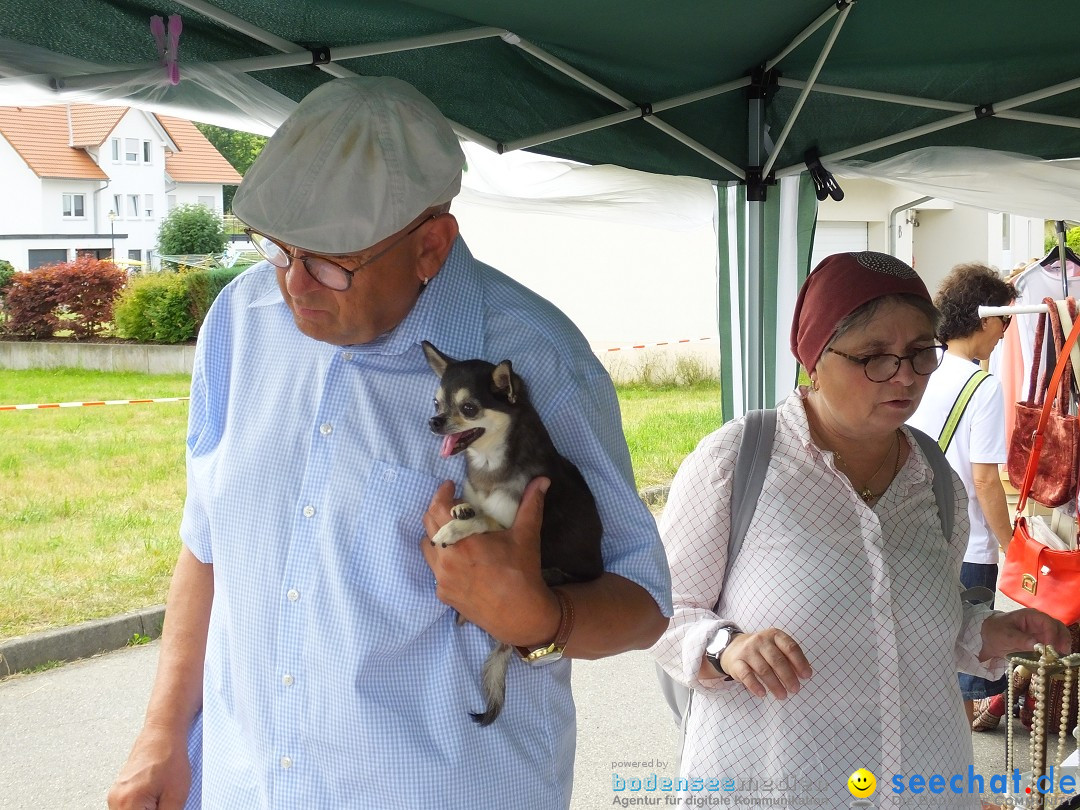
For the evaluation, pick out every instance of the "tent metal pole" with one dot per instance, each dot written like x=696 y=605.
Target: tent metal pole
x=101 y=81
x=818 y=65
x=945 y=123
x=1039 y=118
x=625 y=103
x=873 y=95
x=803 y=36
x=573 y=129
x=241 y=25
x=755 y=259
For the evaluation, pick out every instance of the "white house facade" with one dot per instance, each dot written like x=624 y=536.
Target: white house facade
x=90 y=180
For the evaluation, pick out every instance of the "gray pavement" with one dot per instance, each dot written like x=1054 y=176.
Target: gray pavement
x=65 y=732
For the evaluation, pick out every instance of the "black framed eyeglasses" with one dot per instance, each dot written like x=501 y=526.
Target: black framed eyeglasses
x=881 y=368
x=324 y=270
x=1005 y=321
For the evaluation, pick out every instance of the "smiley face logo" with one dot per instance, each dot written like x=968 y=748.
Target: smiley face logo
x=861 y=784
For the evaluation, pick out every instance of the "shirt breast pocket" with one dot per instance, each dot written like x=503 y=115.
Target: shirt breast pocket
x=389 y=579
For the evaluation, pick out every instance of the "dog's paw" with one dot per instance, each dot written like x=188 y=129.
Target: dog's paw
x=462 y=511
x=449 y=534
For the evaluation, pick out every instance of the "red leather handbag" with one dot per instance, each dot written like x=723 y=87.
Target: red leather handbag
x=1055 y=479
x=1034 y=575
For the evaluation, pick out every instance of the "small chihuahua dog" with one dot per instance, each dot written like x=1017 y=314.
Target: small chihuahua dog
x=483 y=410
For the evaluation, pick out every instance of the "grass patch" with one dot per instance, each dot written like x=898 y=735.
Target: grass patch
x=91 y=499
x=663 y=424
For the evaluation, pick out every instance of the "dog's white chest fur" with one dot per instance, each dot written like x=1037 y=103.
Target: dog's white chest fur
x=480 y=512
x=500 y=505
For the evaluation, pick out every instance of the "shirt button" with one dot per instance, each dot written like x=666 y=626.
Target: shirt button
x=309 y=511
x=288 y=680
x=346 y=356
x=389 y=475
x=286 y=762
x=326 y=429
x=293 y=594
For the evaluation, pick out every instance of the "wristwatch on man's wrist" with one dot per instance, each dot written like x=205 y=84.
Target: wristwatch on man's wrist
x=717 y=646
x=553 y=652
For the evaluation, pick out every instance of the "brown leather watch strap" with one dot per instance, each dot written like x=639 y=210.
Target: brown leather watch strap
x=566 y=625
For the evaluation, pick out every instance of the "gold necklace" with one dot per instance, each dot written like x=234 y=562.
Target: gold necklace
x=866 y=493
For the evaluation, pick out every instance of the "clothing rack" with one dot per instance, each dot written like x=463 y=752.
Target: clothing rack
x=1016 y=309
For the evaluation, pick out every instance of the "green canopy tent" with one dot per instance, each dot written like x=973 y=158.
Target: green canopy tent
x=735 y=92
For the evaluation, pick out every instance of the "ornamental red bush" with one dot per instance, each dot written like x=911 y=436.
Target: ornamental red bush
x=74 y=295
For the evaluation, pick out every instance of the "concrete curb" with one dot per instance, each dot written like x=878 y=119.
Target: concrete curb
x=79 y=641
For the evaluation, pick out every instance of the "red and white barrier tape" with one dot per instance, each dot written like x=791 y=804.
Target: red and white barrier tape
x=88 y=404
x=680 y=342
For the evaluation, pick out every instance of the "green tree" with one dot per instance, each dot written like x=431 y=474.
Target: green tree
x=239 y=148
x=191 y=229
x=1072 y=238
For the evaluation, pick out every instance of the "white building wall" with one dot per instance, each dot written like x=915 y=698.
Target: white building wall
x=136 y=229
x=195 y=193
x=20 y=186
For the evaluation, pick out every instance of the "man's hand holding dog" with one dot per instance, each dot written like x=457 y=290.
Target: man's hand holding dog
x=493 y=579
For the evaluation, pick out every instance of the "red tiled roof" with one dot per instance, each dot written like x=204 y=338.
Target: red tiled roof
x=40 y=136
x=197 y=161
x=91 y=124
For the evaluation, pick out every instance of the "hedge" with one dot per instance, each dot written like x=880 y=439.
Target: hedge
x=168 y=307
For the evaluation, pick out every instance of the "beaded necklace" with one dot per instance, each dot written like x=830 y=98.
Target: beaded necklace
x=1045 y=663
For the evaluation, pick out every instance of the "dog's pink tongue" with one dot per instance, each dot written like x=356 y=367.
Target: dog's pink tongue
x=448 y=443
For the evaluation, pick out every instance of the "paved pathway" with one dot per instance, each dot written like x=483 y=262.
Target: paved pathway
x=64 y=733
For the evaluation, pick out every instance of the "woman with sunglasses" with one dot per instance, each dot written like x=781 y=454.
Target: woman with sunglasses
x=839 y=629
x=977 y=445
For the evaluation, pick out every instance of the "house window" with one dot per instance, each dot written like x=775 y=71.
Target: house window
x=44 y=256
x=148 y=206
x=146 y=152
x=208 y=202
x=131 y=150
x=1006 y=234
x=73 y=206
x=133 y=205
x=135 y=254
x=118 y=206
x=116 y=150
x=170 y=202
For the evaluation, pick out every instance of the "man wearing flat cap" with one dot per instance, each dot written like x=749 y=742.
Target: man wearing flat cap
x=309 y=658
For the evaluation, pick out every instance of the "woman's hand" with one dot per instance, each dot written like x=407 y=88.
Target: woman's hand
x=766 y=661
x=1020 y=630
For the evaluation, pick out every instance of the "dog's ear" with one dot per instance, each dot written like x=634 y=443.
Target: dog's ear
x=436 y=359
x=502 y=381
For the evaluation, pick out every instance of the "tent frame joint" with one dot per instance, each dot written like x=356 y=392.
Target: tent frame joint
x=320 y=56
x=757 y=185
x=984 y=111
x=763 y=83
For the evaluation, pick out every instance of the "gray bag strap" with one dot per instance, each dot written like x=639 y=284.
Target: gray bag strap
x=943 y=482
x=759 y=431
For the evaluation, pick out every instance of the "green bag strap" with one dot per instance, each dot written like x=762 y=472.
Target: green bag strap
x=958 y=408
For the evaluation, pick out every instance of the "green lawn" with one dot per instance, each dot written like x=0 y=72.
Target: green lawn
x=91 y=498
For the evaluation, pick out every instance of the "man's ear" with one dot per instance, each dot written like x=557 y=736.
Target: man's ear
x=438 y=238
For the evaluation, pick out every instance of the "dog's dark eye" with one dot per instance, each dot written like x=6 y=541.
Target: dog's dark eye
x=469 y=409
x=435 y=402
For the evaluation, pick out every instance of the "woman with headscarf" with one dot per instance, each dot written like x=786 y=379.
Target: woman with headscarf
x=839 y=629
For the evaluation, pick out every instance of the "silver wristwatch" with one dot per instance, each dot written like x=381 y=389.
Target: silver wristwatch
x=716 y=647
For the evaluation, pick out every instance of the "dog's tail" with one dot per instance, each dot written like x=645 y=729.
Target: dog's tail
x=494 y=684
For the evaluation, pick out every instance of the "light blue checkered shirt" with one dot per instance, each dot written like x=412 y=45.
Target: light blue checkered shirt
x=334 y=678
